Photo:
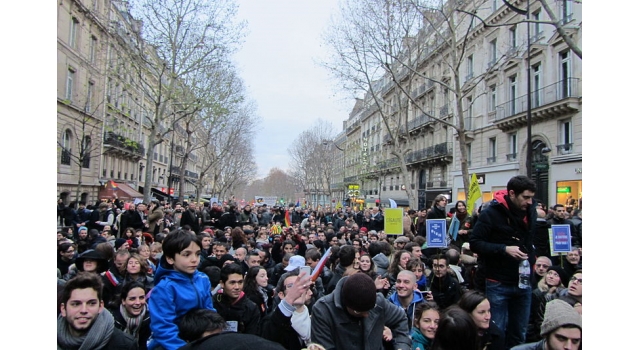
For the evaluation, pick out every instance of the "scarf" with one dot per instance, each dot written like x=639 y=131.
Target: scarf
x=133 y=323
x=96 y=338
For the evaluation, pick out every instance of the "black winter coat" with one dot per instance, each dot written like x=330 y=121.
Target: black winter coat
x=243 y=311
x=498 y=227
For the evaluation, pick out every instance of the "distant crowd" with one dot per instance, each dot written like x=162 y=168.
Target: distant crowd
x=188 y=276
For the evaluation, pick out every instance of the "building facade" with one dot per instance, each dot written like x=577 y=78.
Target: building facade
x=491 y=101
x=104 y=113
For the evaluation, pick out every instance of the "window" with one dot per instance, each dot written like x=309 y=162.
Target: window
x=469 y=154
x=492 y=150
x=513 y=93
x=73 y=32
x=513 y=147
x=71 y=75
x=565 y=139
x=565 y=74
x=513 y=39
x=537 y=32
x=469 y=67
x=493 y=98
x=566 y=11
x=86 y=152
x=90 y=89
x=92 y=49
x=467 y=120
x=536 y=85
x=494 y=5
x=65 y=155
x=493 y=52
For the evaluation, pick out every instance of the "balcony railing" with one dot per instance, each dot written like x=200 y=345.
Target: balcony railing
x=511 y=157
x=491 y=160
x=122 y=143
x=567 y=148
x=420 y=121
x=552 y=93
x=439 y=150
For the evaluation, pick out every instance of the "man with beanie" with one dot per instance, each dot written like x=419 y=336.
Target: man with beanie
x=561 y=328
x=502 y=237
x=354 y=317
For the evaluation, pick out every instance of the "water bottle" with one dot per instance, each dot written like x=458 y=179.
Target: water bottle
x=525 y=272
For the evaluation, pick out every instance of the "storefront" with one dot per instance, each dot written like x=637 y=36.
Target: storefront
x=566 y=184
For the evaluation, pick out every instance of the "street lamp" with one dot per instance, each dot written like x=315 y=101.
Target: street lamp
x=529 y=141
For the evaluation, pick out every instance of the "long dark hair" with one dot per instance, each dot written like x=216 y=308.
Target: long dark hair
x=456 y=330
x=470 y=300
x=250 y=283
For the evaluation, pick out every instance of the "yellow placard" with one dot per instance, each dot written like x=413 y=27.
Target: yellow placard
x=474 y=193
x=393 y=221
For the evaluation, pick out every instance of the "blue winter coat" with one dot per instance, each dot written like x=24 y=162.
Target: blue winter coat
x=174 y=294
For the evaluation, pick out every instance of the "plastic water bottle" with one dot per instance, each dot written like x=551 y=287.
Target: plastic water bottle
x=525 y=272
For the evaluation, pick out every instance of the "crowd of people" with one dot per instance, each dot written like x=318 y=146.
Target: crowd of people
x=161 y=276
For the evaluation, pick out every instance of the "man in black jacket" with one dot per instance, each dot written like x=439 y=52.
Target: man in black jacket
x=502 y=238
x=242 y=314
x=192 y=217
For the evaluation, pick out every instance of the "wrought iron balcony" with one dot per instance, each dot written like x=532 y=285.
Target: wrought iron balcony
x=419 y=122
x=550 y=101
x=121 y=146
x=437 y=153
x=567 y=148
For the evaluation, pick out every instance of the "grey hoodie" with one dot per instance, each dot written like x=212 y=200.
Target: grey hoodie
x=382 y=263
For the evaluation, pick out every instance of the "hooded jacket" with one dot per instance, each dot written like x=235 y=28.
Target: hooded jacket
x=174 y=294
x=498 y=226
x=333 y=327
x=417 y=297
x=382 y=263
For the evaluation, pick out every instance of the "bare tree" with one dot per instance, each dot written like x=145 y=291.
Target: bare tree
x=369 y=43
x=180 y=40
x=311 y=162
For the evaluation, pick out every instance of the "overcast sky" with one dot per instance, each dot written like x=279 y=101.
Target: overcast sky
x=277 y=65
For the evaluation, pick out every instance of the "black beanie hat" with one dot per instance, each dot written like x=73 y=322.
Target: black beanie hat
x=564 y=277
x=359 y=292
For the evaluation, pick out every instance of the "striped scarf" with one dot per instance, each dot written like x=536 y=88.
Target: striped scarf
x=133 y=323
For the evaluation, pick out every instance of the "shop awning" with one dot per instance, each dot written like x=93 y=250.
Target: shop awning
x=120 y=191
x=158 y=193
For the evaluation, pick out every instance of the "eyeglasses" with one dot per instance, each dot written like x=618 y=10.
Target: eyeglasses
x=574 y=278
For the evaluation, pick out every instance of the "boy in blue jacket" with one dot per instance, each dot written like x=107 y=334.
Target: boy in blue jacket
x=179 y=287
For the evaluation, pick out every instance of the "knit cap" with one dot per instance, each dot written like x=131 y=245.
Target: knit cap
x=83 y=228
x=559 y=313
x=359 y=292
x=119 y=242
x=564 y=277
